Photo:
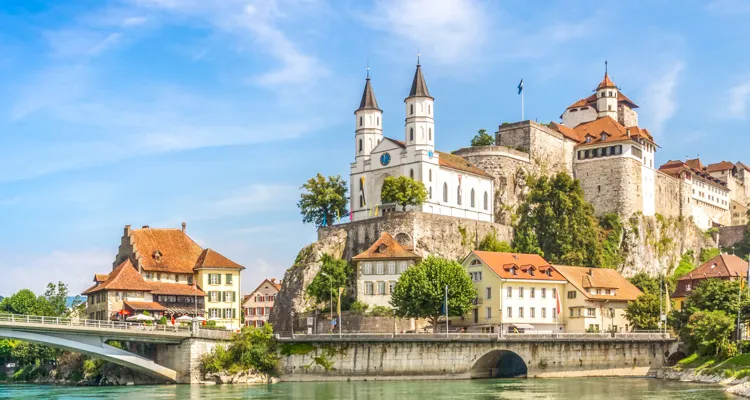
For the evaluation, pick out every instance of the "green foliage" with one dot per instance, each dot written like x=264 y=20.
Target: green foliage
x=709 y=329
x=322 y=200
x=323 y=287
x=357 y=307
x=24 y=302
x=420 y=290
x=403 y=191
x=92 y=366
x=288 y=349
x=491 y=243
x=162 y=321
x=381 y=311
x=643 y=313
x=482 y=138
x=708 y=253
x=252 y=349
x=557 y=223
x=687 y=264
x=611 y=239
x=649 y=284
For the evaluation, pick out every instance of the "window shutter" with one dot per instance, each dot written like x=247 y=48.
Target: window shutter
x=234 y=296
x=234 y=313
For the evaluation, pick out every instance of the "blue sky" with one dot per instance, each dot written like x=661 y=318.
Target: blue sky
x=214 y=112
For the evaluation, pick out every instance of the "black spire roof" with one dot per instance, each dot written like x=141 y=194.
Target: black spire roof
x=418 y=86
x=368 y=101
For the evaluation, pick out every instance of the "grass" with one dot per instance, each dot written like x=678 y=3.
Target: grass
x=735 y=367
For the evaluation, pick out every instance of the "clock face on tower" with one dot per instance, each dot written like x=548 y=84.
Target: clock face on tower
x=385 y=159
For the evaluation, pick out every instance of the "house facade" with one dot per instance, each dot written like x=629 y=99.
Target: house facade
x=257 y=305
x=378 y=269
x=724 y=266
x=171 y=271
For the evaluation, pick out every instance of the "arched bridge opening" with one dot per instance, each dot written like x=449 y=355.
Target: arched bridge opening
x=675 y=357
x=499 y=364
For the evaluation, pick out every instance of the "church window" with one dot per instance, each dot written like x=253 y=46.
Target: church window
x=411 y=134
x=458 y=195
x=430 y=192
x=430 y=133
x=445 y=192
x=430 y=174
x=360 y=145
x=361 y=201
x=472 y=198
x=411 y=173
x=411 y=109
x=378 y=121
x=429 y=109
x=360 y=121
x=486 y=201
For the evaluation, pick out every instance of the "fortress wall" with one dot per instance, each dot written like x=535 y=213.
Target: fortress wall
x=612 y=185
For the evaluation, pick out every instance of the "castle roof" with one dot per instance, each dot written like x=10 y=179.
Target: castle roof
x=584 y=278
x=418 y=85
x=720 y=166
x=386 y=247
x=675 y=167
x=451 y=161
x=615 y=132
x=606 y=82
x=368 y=101
x=518 y=266
x=721 y=266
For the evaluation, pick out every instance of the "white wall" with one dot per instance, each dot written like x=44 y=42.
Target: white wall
x=573 y=117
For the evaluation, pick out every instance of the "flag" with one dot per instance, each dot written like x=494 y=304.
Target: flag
x=520 y=86
x=557 y=299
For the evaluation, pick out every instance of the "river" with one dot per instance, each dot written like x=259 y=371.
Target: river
x=517 y=389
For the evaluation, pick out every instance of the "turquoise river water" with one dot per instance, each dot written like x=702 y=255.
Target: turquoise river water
x=517 y=389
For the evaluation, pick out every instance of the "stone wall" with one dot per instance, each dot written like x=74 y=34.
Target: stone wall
x=612 y=185
x=428 y=234
x=669 y=196
x=185 y=358
x=731 y=235
x=353 y=323
x=462 y=359
x=549 y=150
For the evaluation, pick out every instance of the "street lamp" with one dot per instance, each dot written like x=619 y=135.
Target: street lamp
x=330 y=280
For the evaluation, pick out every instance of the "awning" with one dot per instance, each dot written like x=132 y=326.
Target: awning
x=523 y=326
x=184 y=311
x=144 y=305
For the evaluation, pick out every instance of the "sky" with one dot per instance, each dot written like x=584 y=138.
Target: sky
x=214 y=112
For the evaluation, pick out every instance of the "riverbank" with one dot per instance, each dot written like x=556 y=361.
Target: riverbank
x=733 y=373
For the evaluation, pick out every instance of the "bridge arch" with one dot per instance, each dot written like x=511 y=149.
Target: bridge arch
x=499 y=364
x=675 y=357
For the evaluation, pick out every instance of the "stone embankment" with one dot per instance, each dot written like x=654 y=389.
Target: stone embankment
x=242 y=377
x=737 y=386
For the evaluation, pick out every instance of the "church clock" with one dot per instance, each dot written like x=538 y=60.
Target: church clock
x=385 y=159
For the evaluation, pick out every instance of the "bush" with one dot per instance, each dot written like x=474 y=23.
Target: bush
x=709 y=330
x=162 y=321
x=252 y=349
x=381 y=311
x=358 y=308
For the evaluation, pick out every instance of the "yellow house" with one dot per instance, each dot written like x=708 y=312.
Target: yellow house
x=220 y=279
x=595 y=299
x=516 y=293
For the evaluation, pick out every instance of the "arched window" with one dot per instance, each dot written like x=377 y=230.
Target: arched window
x=472 y=198
x=411 y=173
x=486 y=201
x=430 y=174
x=378 y=121
x=360 y=185
x=430 y=192
x=445 y=192
x=411 y=109
x=361 y=201
x=458 y=195
x=411 y=134
x=360 y=121
x=360 y=145
x=429 y=109
x=430 y=133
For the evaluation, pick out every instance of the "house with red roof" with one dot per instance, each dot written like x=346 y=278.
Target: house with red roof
x=258 y=304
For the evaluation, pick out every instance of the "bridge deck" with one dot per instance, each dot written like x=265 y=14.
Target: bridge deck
x=474 y=337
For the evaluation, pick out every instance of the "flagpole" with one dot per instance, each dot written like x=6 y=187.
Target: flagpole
x=522 y=119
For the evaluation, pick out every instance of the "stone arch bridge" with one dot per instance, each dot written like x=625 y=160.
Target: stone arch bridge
x=464 y=356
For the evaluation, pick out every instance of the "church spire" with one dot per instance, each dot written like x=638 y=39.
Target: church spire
x=418 y=85
x=368 y=102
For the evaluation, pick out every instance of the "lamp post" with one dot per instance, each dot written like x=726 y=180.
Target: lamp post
x=330 y=280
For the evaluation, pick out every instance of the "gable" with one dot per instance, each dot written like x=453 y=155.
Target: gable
x=387 y=145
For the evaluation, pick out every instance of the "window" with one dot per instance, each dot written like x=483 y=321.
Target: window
x=553 y=311
x=391 y=285
x=688 y=287
x=378 y=121
x=532 y=293
x=532 y=312
x=229 y=279
x=430 y=192
x=520 y=312
x=544 y=312
x=368 y=287
x=158 y=277
x=214 y=296
x=554 y=290
x=411 y=109
x=360 y=121
x=513 y=271
x=489 y=312
x=472 y=198
x=429 y=131
x=429 y=109
x=544 y=293
x=445 y=192
x=401 y=266
x=214 y=279
x=485 y=201
x=367 y=268
x=510 y=312
x=360 y=145
x=591 y=312
x=571 y=313
x=379 y=267
x=381 y=287
x=520 y=291
x=572 y=294
x=429 y=172
x=458 y=195
x=391 y=267
x=509 y=292
x=411 y=173
x=489 y=293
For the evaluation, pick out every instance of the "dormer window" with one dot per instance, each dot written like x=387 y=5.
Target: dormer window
x=157 y=256
x=382 y=248
x=531 y=272
x=513 y=271
x=604 y=136
x=548 y=272
x=588 y=139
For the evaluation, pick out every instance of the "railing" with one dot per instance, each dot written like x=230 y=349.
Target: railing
x=567 y=336
x=91 y=323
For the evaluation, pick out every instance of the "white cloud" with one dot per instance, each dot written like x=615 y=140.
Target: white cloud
x=449 y=31
x=253 y=199
x=739 y=97
x=660 y=97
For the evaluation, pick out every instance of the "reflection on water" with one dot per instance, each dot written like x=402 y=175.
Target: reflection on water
x=517 y=389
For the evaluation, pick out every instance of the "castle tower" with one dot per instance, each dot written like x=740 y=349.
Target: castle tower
x=420 y=125
x=606 y=97
x=368 y=119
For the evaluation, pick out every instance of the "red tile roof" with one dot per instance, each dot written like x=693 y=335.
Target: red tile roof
x=124 y=277
x=721 y=266
x=720 y=166
x=144 y=305
x=599 y=278
x=175 y=289
x=386 y=247
x=614 y=130
x=211 y=259
x=165 y=250
x=606 y=82
x=526 y=266
x=451 y=161
x=675 y=167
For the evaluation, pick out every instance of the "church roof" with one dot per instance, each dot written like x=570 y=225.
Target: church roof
x=368 y=102
x=451 y=161
x=418 y=85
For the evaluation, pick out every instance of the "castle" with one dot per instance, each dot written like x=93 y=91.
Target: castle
x=599 y=142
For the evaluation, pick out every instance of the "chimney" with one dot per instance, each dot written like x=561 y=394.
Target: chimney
x=273 y=280
x=627 y=131
x=144 y=227
x=126 y=231
x=591 y=272
x=184 y=227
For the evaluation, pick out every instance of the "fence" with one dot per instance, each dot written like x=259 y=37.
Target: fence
x=90 y=323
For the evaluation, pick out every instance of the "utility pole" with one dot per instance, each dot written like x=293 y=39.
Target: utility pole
x=330 y=280
x=446 y=311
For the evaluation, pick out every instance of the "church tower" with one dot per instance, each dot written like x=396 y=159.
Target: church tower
x=368 y=119
x=606 y=97
x=420 y=125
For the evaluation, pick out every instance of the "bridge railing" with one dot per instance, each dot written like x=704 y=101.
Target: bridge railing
x=90 y=323
x=572 y=336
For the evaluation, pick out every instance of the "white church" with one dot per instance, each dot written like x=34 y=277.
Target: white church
x=455 y=187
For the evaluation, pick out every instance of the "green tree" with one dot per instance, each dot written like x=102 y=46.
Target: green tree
x=611 y=237
x=687 y=264
x=708 y=253
x=557 y=223
x=24 y=302
x=57 y=299
x=334 y=273
x=491 y=243
x=323 y=199
x=646 y=283
x=482 y=138
x=403 y=191
x=709 y=329
x=252 y=349
x=643 y=313
x=420 y=290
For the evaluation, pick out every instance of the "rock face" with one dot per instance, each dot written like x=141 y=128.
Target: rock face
x=291 y=298
x=250 y=377
x=655 y=245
